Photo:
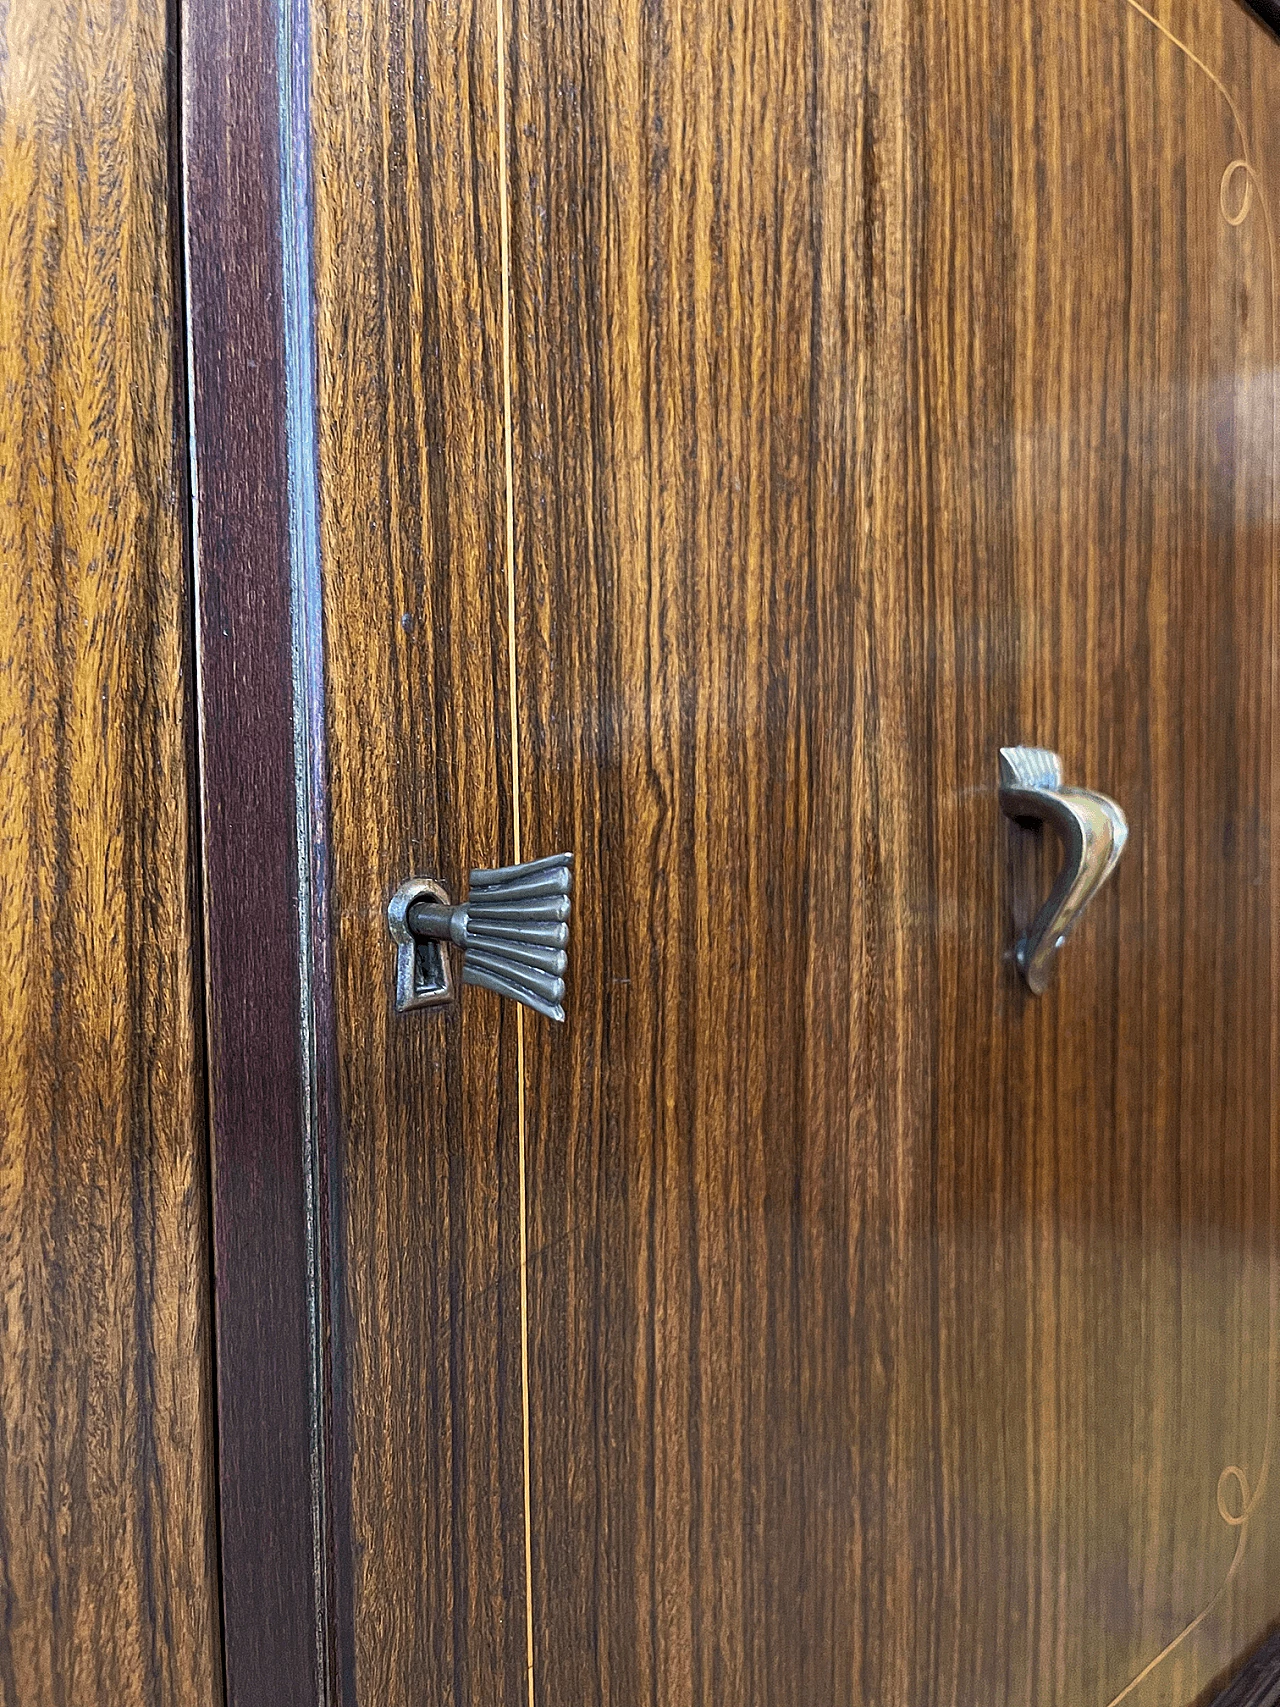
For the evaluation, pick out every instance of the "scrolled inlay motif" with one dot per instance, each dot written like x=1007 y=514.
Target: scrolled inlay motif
x=1243 y=209
x=1239 y=190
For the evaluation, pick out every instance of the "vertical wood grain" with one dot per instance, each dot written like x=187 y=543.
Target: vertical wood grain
x=108 y=1576
x=888 y=386
x=412 y=497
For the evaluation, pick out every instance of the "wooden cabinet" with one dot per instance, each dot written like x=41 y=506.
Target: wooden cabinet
x=697 y=436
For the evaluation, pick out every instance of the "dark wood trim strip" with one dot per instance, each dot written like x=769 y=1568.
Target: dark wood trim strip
x=1267 y=10
x=245 y=155
x=1257 y=1683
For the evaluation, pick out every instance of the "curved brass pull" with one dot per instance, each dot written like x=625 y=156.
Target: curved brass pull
x=513 y=930
x=1093 y=831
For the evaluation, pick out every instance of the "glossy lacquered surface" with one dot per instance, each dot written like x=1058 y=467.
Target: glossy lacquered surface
x=779 y=410
x=108 y=1567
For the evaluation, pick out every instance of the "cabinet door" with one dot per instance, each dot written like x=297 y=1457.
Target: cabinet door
x=733 y=425
x=891 y=384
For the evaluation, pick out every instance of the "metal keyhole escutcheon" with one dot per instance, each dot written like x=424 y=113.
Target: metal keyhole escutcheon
x=512 y=929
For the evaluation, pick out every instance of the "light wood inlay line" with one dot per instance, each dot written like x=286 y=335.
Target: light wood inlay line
x=505 y=250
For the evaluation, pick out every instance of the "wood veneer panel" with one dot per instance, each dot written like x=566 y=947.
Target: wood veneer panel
x=412 y=488
x=108 y=1574
x=889 y=384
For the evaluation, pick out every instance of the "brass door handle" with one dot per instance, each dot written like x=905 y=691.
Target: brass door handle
x=513 y=930
x=1093 y=831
